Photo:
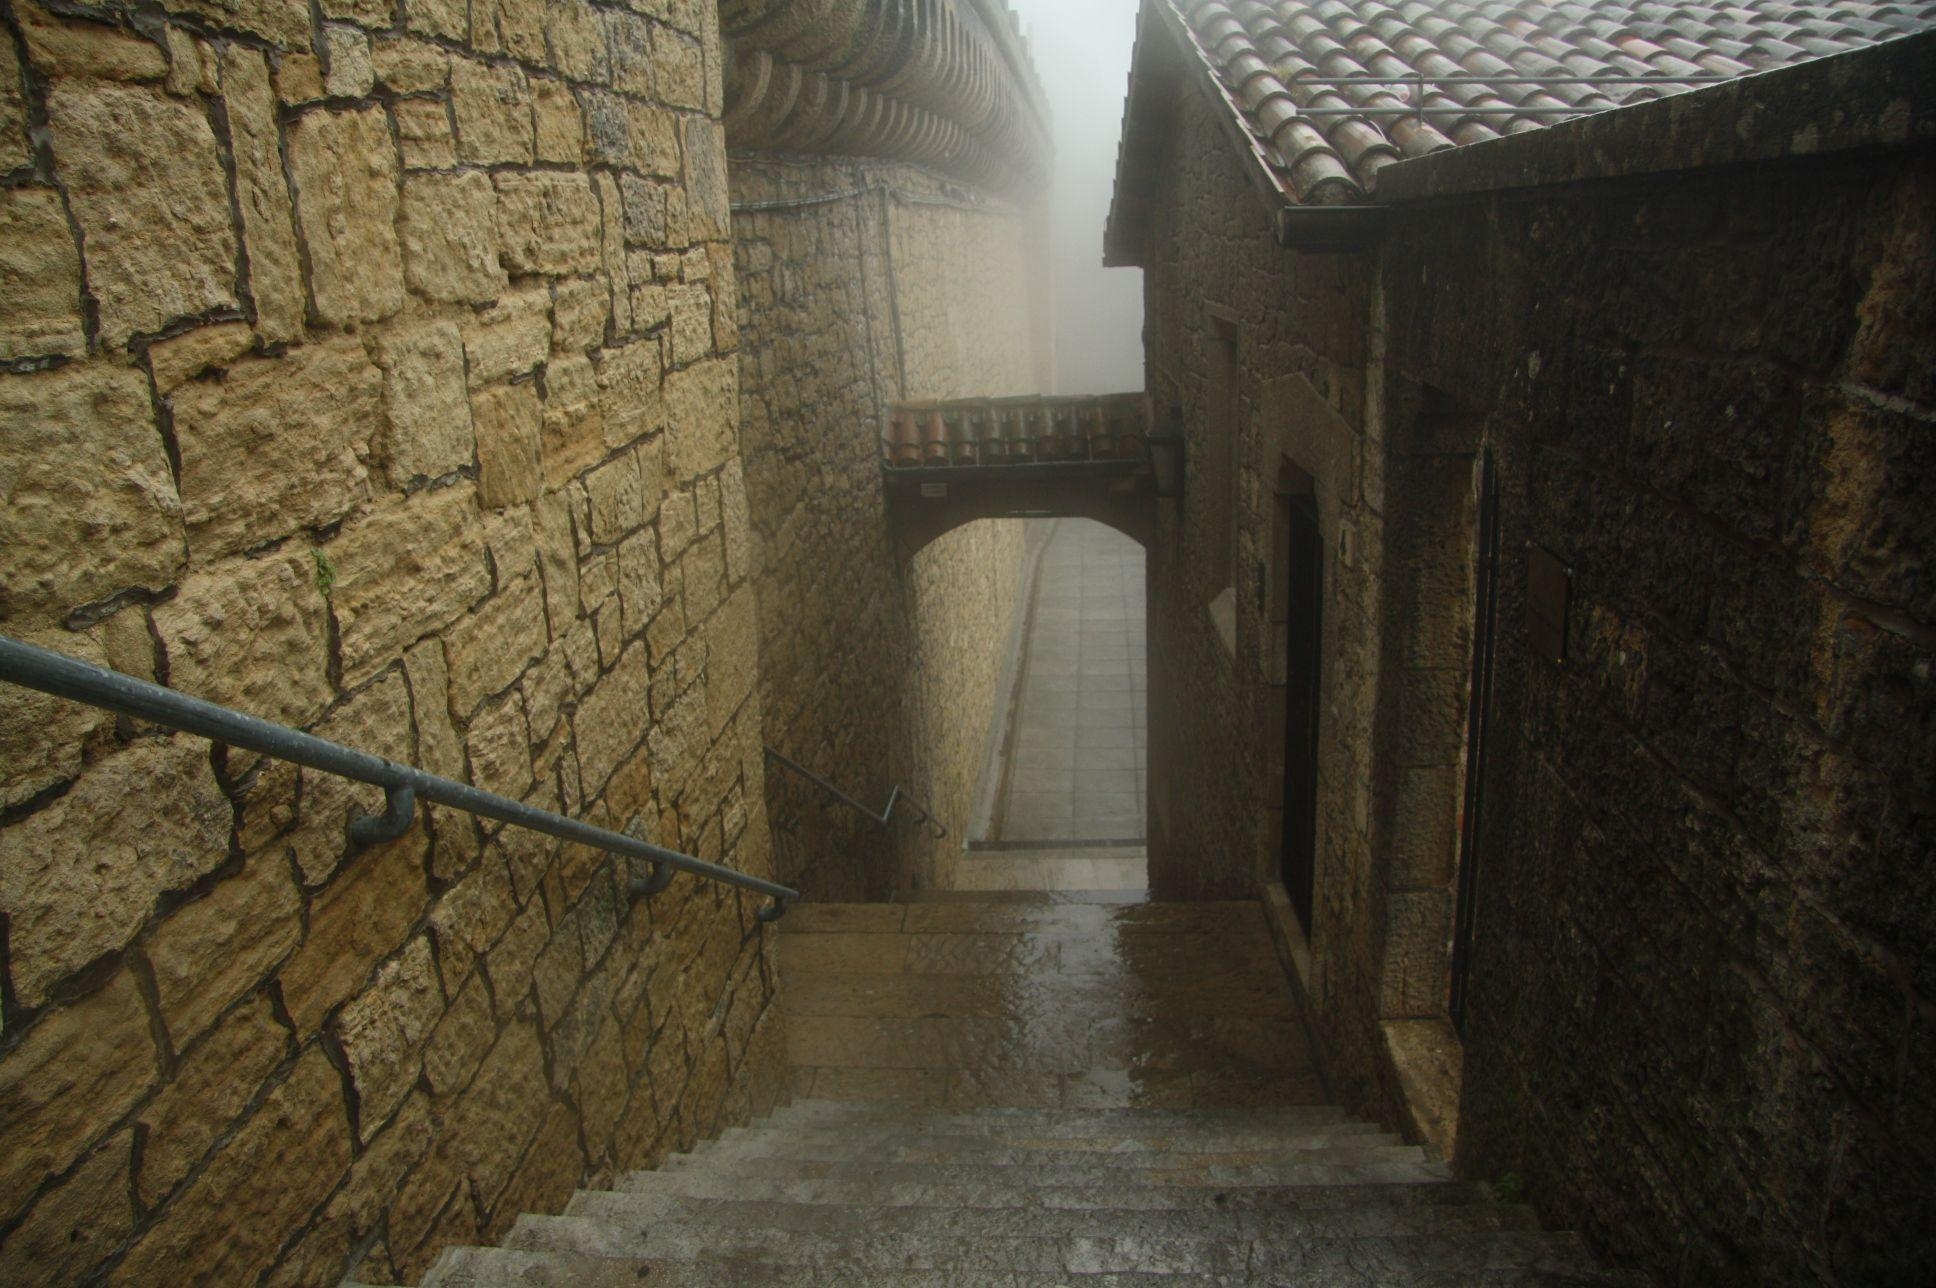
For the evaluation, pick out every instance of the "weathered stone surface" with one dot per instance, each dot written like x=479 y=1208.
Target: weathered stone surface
x=551 y=527
x=355 y=1210
x=612 y=252
x=560 y=128
x=90 y=506
x=144 y=179
x=349 y=73
x=500 y=745
x=707 y=199
x=463 y=1036
x=681 y=73
x=612 y=718
x=41 y=735
x=406 y=66
x=86 y=869
x=262 y=191
x=447 y=18
x=300 y=1140
x=69 y=47
x=181 y=358
x=450 y=238
x=299 y=79
x=346 y=172
x=575 y=34
x=423 y=401
x=438 y=749
x=357 y=921
x=424 y=133
x=251 y=634
x=509 y=469
x=403 y=572
x=579 y=309
x=641 y=586
x=376 y=720
x=383 y=1032
x=547 y=223
x=692 y=323
x=14 y=150
x=514 y=27
x=492 y=107
x=40 y=277
x=701 y=418
x=219 y=947
x=277 y=445
x=375 y=14
x=616 y=496
x=72 y=1075
x=574 y=433
x=630 y=392
x=488 y=1126
x=213 y=1084
x=487 y=650
x=550 y=1172
x=282 y=22
x=732 y=658
x=74 y=1228
x=511 y=338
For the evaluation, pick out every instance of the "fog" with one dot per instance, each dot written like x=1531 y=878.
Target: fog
x=1082 y=49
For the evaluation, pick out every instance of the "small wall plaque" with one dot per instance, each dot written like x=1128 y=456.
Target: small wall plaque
x=1549 y=593
x=934 y=489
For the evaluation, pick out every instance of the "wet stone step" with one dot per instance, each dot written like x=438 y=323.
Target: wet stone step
x=1388 y=1258
x=1061 y=1122
x=831 y=1141
x=1371 y=1163
x=1226 y=1221
x=516 y=1268
x=812 y=1155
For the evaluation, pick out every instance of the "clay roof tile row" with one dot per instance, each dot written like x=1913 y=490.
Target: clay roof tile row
x=1296 y=72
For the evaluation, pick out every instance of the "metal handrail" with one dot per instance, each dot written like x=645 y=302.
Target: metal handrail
x=67 y=677
x=881 y=819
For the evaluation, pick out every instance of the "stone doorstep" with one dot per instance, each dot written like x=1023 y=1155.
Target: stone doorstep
x=864 y=1250
x=1382 y=1214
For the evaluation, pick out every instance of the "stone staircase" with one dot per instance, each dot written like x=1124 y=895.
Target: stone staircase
x=1038 y=1092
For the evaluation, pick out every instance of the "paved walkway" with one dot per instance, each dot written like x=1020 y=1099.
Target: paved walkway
x=1070 y=805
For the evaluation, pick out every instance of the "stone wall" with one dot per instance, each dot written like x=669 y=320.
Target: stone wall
x=876 y=668
x=372 y=370
x=1701 y=982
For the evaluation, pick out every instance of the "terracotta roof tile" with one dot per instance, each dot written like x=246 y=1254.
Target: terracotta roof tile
x=1283 y=66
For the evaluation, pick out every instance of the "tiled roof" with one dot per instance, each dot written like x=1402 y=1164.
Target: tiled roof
x=1488 y=67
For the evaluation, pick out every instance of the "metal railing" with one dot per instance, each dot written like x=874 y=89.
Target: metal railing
x=71 y=678
x=880 y=818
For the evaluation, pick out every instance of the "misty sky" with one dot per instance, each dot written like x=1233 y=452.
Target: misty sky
x=1082 y=49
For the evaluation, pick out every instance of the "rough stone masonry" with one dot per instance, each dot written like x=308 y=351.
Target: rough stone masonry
x=371 y=368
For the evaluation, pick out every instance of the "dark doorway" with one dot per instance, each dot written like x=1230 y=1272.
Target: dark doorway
x=1304 y=635
x=1478 y=726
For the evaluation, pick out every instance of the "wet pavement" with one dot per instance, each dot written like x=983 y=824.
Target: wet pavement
x=1076 y=755
x=1047 y=1003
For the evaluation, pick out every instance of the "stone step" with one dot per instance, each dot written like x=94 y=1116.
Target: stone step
x=519 y=1268
x=1466 y=1212
x=1398 y=1162
x=810 y=1156
x=818 y=1141
x=1059 y=1122
x=1281 y=1256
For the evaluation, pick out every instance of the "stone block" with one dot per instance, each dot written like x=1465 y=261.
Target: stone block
x=612 y=252
x=403 y=572
x=548 y=223
x=702 y=414
x=560 y=130
x=181 y=358
x=579 y=309
x=631 y=392
x=281 y=22
x=500 y=747
x=214 y=950
x=212 y=1086
x=573 y=426
x=42 y=736
x=276 y=446
x=87 y=868
x=488 y=1126
x=641 y=587
x=514 y=27
x=358 y=920
x=348 y=71
x=737 y=523
x=652 y=139
x=424 y=404
x=612 y=718
x=383 y=1030
x=449 y=238
x=692 y=323
x=575 y=34
x=616 y=497
x=438 y=749
x=681 y=72
x=492 y=107
x=74 y=1228
x=345 y=168
x=343 y=1236
x=732 y=658
x=509 y=467
x=40 y=277
x=299 y=79
x=449 y=19
x=262 y=191
x=67 y=1080
x=378 y=15
x=424 y=133
x=511 y=338
x=709 y=206
x=405 y=66
x=144 y=180
x=629 y=39
x=488 y=650
x=65 y=47
x=544 y=1182
x=251 y=634
x=229 y=1225
x=513 y=959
